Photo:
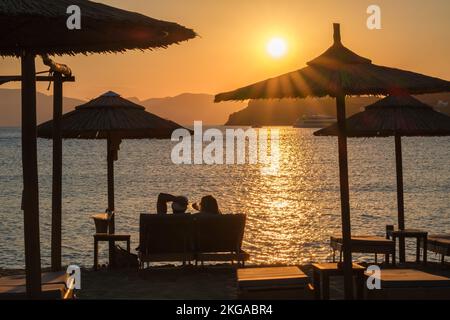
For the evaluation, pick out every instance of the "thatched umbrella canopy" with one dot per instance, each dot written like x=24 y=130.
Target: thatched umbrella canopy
x=112 y=118
x=339 y=72
x=26 y=24
x=395 y=116
x=38 y=27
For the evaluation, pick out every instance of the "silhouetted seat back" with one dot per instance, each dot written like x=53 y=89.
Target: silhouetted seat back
x=219 y=238
x=169 y=237
x=219 y=233
x=165 y=238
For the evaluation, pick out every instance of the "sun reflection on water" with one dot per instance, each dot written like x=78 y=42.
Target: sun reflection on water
x=290 y=215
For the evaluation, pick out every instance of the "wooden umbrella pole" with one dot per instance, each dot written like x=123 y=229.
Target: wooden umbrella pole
x=57 y=173
x=400 y=199
x=343 y=181
x=110 y=160
x=30 y=201
x=345 y=197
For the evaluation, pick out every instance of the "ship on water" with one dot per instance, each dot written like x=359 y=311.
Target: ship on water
x=314 y=121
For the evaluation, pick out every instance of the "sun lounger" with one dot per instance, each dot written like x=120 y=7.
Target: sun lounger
x=53 y=287
x=219 y=238
x=439 y=244
x=165 y=238
x=410 y=284
x=365 y=244
x=273 y=283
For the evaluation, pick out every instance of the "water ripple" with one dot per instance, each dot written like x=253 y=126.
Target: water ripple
x=290 y=215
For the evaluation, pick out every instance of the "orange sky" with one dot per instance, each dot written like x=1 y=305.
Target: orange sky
x=230 y=51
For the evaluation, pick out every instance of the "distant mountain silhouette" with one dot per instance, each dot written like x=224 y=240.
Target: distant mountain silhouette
x=188 y=107
x=184 y=108
x=285 y=112
x=10 y=107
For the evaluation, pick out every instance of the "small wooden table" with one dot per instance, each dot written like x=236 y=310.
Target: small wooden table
x=421 y=236
x=106 y=237
x=273 y=283
x=365 y=244
x=321 y=277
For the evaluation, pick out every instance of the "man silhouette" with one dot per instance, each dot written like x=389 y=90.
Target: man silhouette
x=179 y=203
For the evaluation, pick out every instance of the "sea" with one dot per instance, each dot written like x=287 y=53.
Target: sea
x=291 y=213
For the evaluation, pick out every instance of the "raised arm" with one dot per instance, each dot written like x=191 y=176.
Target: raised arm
x=161 y=205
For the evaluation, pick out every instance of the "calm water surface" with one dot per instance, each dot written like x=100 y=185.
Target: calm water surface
x=290 y=215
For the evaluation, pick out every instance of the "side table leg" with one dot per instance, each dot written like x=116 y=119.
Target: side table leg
x=325 y=286
x=359 y=286
x=112 y=245
x=394 y=238
x=316 y=282
x=95 y=254
x=425 y=250
x=393 y=256
x=418 y=250
x=386 y=256
x=401 y=249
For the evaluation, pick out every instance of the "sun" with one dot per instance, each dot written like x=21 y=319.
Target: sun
x=277 y=47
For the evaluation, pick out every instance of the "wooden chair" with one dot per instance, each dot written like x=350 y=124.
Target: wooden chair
x=439 y=244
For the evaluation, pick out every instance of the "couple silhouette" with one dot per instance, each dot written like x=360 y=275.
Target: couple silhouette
x=180 y=204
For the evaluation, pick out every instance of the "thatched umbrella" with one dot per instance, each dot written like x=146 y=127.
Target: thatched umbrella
x=396 y=116
x=339 y=72
x=112 y=118
x=38 y=27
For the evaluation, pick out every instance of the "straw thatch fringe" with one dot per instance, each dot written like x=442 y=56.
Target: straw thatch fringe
x=394 y=115
x=40 y=26
x=356 y=79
